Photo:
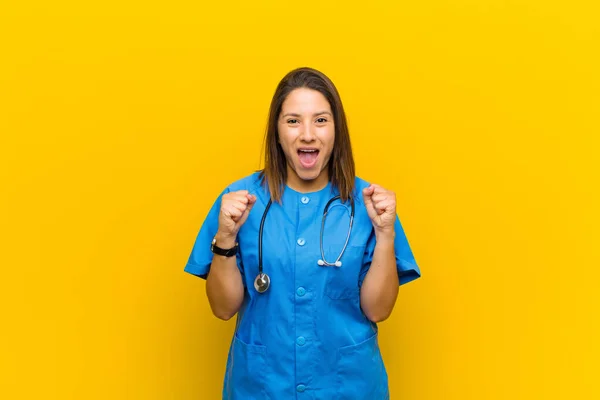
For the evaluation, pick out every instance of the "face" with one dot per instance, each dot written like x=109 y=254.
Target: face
x=306 y=134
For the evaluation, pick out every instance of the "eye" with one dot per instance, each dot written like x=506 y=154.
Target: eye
x=321 y=120
x=292 y=121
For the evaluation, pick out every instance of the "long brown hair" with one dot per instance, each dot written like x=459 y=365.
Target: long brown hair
x=341 y=164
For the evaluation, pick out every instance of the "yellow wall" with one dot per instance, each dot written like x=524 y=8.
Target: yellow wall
x=120 y=123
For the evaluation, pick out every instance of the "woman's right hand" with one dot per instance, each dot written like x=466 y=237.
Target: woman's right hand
x=235 y=207
x=224 y=283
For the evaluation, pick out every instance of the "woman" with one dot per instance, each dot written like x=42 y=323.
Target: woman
x=306 y=316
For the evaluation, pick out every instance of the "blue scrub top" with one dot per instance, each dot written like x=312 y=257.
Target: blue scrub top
x=306 y=337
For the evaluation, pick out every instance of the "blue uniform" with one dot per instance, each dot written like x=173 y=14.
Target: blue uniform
x=306 y=337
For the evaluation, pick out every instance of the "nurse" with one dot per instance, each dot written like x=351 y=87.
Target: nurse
x=306 y=326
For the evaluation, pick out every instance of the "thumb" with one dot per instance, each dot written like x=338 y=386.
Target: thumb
x=368 y=199
x=251 y=202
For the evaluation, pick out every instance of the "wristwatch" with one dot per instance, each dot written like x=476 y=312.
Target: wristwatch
x=223 y=252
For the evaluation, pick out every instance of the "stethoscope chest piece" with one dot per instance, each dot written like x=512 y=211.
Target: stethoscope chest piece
x=262 y=282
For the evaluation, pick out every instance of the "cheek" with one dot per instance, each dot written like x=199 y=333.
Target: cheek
x=328 y=137
x=285 y=140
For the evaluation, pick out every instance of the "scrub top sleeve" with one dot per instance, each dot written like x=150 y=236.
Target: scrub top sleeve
x=408 y=270
x=407 y=267
x=201 y=257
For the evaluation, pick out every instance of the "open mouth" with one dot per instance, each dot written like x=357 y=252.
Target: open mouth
x=308 y=157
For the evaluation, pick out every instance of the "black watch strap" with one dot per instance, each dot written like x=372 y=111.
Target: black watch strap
x=223 y=252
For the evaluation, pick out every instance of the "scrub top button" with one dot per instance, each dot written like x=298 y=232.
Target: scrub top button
x=301 y=388
x=301 y=241
x=300 y=291
x=300 y=341
x=304 y=200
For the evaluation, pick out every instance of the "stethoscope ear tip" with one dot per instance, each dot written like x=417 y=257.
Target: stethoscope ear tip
x=337 y=263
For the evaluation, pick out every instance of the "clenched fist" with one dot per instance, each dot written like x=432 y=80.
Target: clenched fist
x=381 y=207
x=235 y=207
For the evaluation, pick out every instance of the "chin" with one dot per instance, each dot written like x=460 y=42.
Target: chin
x=309 y=175
x=308 y=179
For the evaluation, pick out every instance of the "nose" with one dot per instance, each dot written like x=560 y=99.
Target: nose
x=308 y=135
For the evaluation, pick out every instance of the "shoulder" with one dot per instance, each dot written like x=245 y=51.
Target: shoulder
x=359 y=185
x=252 y=183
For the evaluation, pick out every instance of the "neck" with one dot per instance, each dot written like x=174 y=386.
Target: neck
x=306 y=186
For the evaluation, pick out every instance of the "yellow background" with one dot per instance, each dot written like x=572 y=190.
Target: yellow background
x=121 y=123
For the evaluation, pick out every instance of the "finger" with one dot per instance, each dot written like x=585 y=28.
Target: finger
x=251 y=201
x=380 y=196
x=369 y=202
x=379 y=207
x=241 y=198
x=238 y=194
x=377 y=188
x=383 y=206
x=238 y=205
x=232 y=212
x=235 y=195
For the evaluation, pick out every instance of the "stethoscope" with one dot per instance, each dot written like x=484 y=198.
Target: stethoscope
x=262 y=281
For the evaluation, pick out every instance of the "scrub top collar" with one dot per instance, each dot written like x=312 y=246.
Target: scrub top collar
x=291 y=196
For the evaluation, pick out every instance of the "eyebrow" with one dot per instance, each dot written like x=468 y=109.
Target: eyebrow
x=298 y=115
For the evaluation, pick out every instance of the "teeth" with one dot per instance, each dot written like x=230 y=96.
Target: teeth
x=308 y=151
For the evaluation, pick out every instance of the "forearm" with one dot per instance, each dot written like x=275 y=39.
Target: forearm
x=224 y=286
x=380 y=286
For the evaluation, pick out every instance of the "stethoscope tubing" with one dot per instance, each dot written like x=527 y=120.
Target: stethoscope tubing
x=337 y=262
x=262 y=281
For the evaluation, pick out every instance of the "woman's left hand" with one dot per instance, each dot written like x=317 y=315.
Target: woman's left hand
x=381 y=208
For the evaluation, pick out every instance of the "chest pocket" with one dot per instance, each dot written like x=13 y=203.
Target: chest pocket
x=342 y=282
